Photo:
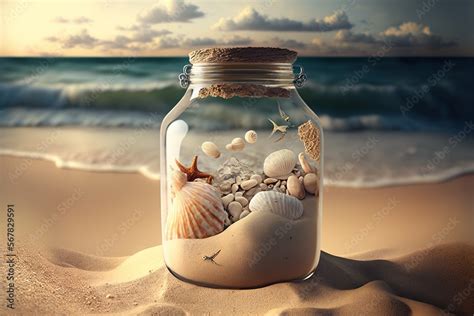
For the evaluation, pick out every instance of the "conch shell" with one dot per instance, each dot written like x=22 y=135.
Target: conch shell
x=196 y=210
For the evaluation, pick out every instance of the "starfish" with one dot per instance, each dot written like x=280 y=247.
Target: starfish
x=278 y=128
x=192 y=172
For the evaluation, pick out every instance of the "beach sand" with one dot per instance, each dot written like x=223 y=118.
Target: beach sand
x=390 y=251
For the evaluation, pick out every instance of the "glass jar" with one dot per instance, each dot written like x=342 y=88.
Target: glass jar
x=241 y=172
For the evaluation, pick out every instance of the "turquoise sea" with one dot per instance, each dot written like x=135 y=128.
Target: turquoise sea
x=419 y=113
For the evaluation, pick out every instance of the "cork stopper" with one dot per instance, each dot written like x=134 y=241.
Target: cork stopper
x=242 y=55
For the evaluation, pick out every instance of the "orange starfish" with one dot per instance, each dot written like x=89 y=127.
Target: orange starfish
x=192 y=172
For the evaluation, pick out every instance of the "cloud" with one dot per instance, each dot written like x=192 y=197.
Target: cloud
x=134 y=27
x=145 y=35
x=61 y=20
x=193 y=42
x=288 y=43
x=411 y=34
x=405 y=39
x=138 y=38
x=173 y=42
x=238 y=41
x=171 y=11
x=406 y=35
x=78 y=20
x=81 y=20
x=408 y=28
x=250 y=19
x=120 y=42
x=52 y=39
x=348 y=36
x=82 y=39
x=168 y=42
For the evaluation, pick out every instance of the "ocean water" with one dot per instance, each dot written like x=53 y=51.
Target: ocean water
x=387 y=121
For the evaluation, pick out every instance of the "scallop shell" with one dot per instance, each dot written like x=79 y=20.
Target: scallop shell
x=196 y=210
x=277 y=203
x=251 y=137
x=279 y=163
x=210 y=149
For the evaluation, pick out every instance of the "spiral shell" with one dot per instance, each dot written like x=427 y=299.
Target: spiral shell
x=251 y=137
x=196 y=210
x=279 y=163
x=277 y=203
x=210 y=149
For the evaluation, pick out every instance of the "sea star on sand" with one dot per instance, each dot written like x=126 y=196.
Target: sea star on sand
x=192 y=172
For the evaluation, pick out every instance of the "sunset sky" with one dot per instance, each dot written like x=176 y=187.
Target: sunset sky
x=174 y=27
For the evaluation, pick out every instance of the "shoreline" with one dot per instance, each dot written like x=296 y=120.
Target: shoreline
x=118 y=214
x=407 y=250
x=143 y=170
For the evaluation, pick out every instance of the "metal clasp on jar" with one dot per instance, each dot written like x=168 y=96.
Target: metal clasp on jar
x=298 y=74
x=184 y=76
x=301 y=77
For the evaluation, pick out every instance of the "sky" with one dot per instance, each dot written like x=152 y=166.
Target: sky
x=175 y=27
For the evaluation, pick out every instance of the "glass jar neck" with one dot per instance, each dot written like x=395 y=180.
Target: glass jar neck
x=268 y=74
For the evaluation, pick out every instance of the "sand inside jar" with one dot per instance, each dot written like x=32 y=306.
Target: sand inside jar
x=260 y=249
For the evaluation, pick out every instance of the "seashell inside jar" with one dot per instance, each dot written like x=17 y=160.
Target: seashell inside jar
x=241 y=172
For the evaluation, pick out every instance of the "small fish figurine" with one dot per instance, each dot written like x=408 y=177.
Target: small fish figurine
x=278 y=128
x=283 y=115
x=211 y=258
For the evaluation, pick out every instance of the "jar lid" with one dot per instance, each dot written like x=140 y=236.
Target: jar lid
x=242 y=55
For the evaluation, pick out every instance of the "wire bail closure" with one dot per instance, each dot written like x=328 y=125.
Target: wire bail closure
x=185 y=77
x=301 y=77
